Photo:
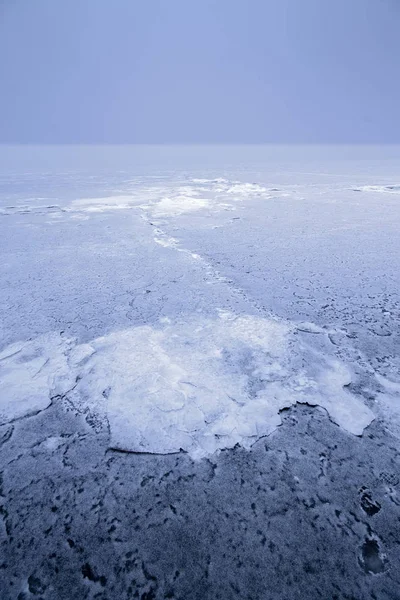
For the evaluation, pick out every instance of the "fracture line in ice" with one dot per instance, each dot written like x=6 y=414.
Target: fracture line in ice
x=390 y=189
x=388 y=403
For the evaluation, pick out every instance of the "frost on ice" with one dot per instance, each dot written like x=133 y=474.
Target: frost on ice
x=28 y=374
x=160 y=202
x=200 y=384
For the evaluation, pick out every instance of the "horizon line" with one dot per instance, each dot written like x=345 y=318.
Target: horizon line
x=271 y=143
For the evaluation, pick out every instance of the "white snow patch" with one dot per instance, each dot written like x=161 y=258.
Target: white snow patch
x=165 y=201
x=247 y=189
x=177 y=205
x=166 y=241
x=207 y=384
x=199 y=385
x=28 y=375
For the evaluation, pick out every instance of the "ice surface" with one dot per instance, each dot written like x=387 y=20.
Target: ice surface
x=197 y=296
x=163 y=201
x=198 y=385
x=105 y=204
x=28 y=372
x=393 y=188
x=135 y=267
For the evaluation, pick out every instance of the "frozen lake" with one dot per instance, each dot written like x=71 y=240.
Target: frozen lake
x=197 y=304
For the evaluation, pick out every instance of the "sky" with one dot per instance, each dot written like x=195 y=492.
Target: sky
x=199 y=71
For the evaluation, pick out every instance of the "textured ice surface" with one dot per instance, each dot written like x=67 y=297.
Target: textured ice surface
x=393 y=189
x=198 y=385
x=121 y=258
x=137 y=267
x=209 y=384
x=28 y=371
x=172 y=199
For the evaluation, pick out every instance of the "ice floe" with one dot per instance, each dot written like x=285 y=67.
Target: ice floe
x=28 y=374
x=196 y=384
x=178 y=205
x=161 y=200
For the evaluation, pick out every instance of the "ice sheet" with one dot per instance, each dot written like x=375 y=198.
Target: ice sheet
x=198 y=385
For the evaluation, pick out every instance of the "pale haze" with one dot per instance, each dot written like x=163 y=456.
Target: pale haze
x=255 y=71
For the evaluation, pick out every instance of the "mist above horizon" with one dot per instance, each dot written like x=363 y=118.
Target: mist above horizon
x=278 y=71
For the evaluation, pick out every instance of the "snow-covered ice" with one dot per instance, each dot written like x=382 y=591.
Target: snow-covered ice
x=199 y=385
x=239 y=304
x=219 y=339
x=28 y=371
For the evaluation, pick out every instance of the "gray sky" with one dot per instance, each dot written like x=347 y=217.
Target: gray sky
x=165 y=71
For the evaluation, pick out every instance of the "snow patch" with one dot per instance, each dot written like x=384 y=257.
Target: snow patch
x=200 y=384
x=247 y=189
x=166 y=241
x=177 y=205
x=31 y=373
x=163 y=201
